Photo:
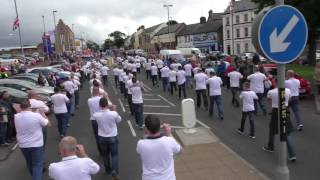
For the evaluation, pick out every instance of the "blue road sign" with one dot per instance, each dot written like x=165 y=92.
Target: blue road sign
x=282 y=34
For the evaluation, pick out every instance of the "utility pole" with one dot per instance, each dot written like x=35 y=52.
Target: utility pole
x=282 y=171
x=55 y=29
x=19 y=30
x=45 y=38
x=232 y=36
x=168 y=6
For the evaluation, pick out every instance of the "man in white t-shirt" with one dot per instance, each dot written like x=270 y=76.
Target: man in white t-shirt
x=60 y=101
x=274 y=123
x=294 y=85
x=215 y=83
x=75 y=162
x=107 y=119
x=188 y=70
x=154 y=75
x=181 y=81
x=235 y=78
x=157 y=152
x=247 y=96
x=165 y=77
x=30 y=138
x=137 y=101
x=159 y=64
x=200 y=81
x=116 y=76
x=257 y=80
x=172 y=80
x=104 y=73
x=148 y=68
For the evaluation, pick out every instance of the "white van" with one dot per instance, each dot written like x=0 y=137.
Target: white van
x=173 y=54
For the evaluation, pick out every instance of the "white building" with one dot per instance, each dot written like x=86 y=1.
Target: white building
x=237 y=37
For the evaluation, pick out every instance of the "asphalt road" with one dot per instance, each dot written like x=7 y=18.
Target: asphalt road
x=169 y=109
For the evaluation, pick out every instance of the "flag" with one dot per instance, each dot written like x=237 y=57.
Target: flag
x=15 y=23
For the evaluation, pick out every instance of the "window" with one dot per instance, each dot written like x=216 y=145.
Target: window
x=185 y=38
x=246 y=32
x=228 y=34
x=238 y=33
x=246 y=47
x=238 y=48
x=237 y=19
x=245 y=17
x=227 y=21
x=229 y=49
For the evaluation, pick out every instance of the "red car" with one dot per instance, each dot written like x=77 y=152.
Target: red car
x=305 y=87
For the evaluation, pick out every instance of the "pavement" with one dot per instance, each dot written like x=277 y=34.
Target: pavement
x=232 y=157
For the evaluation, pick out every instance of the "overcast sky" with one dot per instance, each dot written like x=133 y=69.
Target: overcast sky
x=96 y=18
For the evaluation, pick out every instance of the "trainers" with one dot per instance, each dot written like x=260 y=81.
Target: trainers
x=292 y=159
x=267 y=149
x=252 y=137
x=114 y=175
x=221 y=118
x=300 y=127
x=240 y=132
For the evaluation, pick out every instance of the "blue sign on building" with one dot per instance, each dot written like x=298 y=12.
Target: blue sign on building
x=282 y=34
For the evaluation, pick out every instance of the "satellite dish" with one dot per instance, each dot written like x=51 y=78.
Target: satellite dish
x=189 y=119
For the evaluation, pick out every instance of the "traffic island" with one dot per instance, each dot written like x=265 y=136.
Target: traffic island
x=205 y=157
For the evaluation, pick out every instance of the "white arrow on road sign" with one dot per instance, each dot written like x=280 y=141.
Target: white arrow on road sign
x=277 y=43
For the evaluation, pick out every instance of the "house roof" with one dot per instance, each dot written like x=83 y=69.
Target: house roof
x=201 y=28
x=214 y=16
x=242 y=5
x=152 y=28
x=172 y=29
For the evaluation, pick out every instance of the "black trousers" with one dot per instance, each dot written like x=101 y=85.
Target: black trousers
x=148 y=72
x=203 y=93
x=130 y=103
x=116 y=80
x=243 y=121
x=154 y=80
x=235 y=95
x=173 y=85
x=182 y=87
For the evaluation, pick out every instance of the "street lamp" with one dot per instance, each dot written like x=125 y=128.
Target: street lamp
x=168 y=6
x=45 y=38
x=55 y=32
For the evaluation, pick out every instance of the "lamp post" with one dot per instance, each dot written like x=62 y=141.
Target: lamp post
x=55 y=30
x=168 y=6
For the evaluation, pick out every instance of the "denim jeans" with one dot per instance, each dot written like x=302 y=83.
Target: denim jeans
x=34 y=159
x=109 y=149
x=95 y=132
x=63 y=120
x=203 y=93
x=105 y=80
x=76 y=98
x=290 y=149
x=154 y=80
x=138 y=113
x=235 y=95
x=261 y=103
x=130 y=103
x=294 y=105
x=188 y=81
x=3 y=132
x=71 y=105
x=182 y=87
x=165 y=82
x=122 y=87
x=116 y=81
x=218 y=101
x=173 y=85
x=243 y=122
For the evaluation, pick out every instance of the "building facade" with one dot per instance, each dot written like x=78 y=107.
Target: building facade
x=65 y=40
x=237 y=22
x=147 y=35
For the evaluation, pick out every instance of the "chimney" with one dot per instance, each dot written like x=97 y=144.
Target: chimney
x=203 y=20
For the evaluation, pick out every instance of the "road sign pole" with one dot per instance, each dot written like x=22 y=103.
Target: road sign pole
x=282 y=171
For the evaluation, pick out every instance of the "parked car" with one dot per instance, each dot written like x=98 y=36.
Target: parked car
x=26 y=86
x=27 y=77
x=250 y=56
x=44 y=70
x=305 y=87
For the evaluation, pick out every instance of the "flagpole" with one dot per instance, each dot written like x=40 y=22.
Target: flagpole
x=22 y=51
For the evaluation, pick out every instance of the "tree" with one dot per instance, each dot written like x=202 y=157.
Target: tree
x=108 y=43
x=310 y=10
x=93 y=46
x=172 y=22
x=118 y=38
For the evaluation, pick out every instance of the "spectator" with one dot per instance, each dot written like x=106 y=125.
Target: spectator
x=5 y=101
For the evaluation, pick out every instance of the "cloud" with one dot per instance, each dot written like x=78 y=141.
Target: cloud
x=97 y=18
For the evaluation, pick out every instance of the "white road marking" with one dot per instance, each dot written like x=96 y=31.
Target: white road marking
x=147 y=87
x=121 y=104
x=154 y=106
x=203 y=124
x=146 y=94
x=152 y=99
x=163 y=114
x=14 y=147
x=166 y=100
x=131 y=128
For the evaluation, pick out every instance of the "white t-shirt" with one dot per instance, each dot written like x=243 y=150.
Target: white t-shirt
x=159 y=63
x=133 y=67
x=248 y=98
x=129 y=84
x=59 y=101
x=235 y=77
x=69 y=86
x=172 y=76
x=76 y=84
x=107 y=122
x=165 y=71
x=136 y=91
x=148 y=66
x=73 y=168
x=94 y=105
x=154 y=70
x=181 y=77
x=104 y=70
x=188 y=69
x=273 y=95
x=91 y=81
x=200 y=79
x=29 y=129
x=116 y=71
x=215 y=83
x=157 y=157
x=294 y=85
x=39 y=105
x=257 y=82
